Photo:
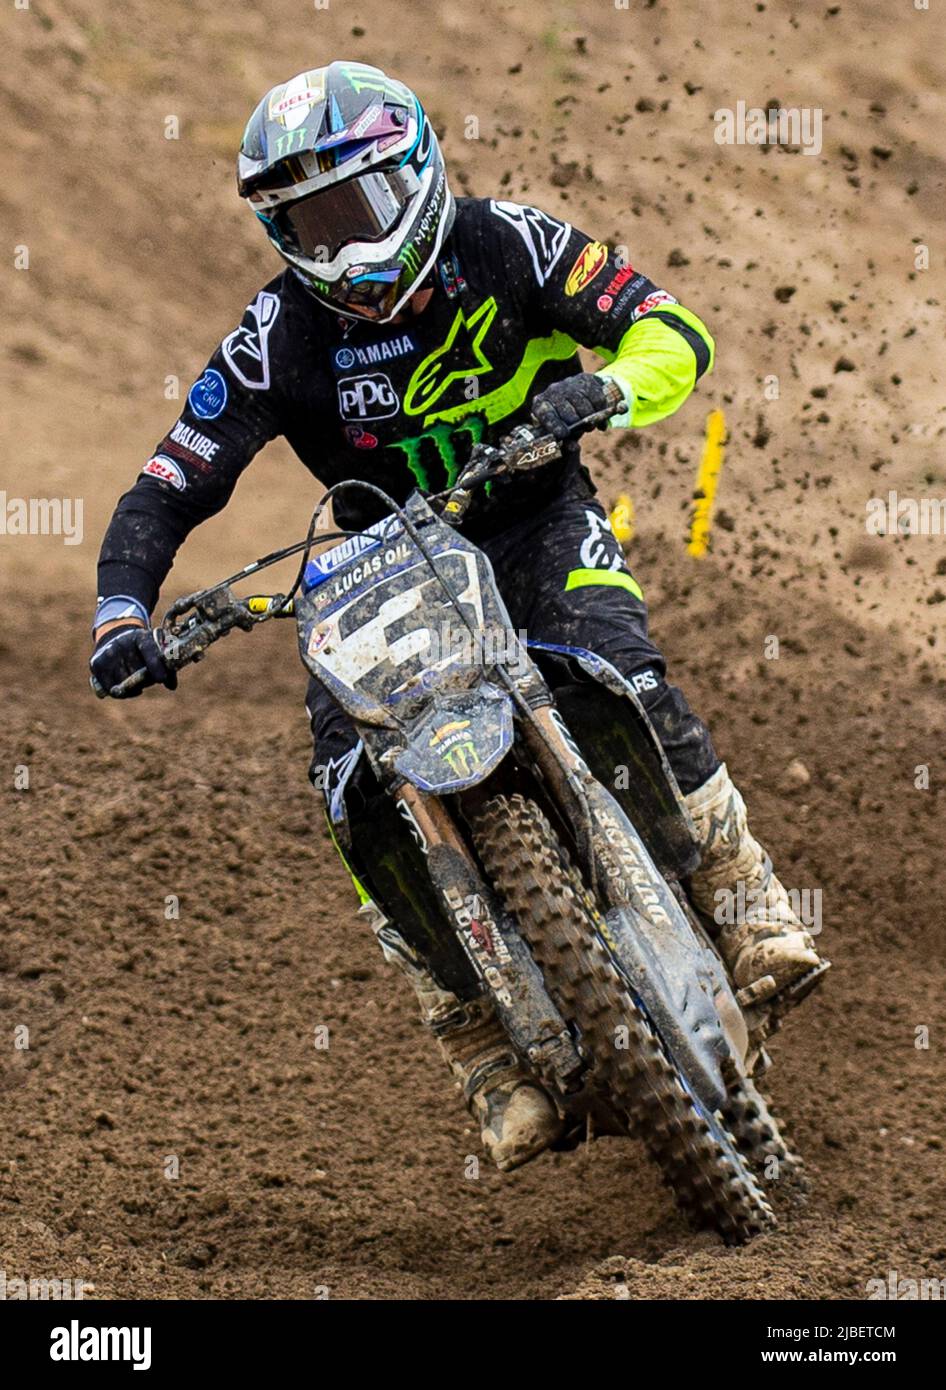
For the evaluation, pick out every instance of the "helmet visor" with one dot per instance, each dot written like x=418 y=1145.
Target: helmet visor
x=370 y=296
x=359 y=209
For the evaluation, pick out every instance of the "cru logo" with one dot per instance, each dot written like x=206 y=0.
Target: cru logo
x=166 y=470
x=207 y=397
x=370 y=397
x=75 y=1343
x=246 y=350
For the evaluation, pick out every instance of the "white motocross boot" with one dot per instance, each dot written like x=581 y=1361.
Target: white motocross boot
x=517 y=1118
x=765 y=946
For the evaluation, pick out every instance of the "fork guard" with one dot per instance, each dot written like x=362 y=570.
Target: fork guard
x=603 y=711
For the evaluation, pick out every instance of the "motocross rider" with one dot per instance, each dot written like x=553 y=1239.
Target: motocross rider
x=408 y=326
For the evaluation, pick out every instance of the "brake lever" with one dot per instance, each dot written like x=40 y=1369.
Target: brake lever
x=520 y=451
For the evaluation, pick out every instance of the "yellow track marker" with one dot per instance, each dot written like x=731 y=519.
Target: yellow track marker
x=622 y=519
x=707 y=478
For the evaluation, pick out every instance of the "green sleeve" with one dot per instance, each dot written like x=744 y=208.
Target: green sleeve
x=657 y=362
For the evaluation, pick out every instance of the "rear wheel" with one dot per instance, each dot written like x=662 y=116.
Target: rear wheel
x=630 y=1067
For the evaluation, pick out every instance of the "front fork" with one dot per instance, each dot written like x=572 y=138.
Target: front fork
x=626 y=875
x=491 y=942
x=621 y=869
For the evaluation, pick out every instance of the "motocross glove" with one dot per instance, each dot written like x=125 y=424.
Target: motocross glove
x=122 y=651
x=561 y=407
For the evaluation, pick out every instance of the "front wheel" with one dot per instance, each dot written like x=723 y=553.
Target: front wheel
x=639 y=1080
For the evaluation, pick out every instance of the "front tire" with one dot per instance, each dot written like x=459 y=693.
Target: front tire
x=566 y=934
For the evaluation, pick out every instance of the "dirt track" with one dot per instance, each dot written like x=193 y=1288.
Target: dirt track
x=344 y=1168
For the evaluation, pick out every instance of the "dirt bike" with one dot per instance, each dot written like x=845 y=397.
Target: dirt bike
x=563 y=882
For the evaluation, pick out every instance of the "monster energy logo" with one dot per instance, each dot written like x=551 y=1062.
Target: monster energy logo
x=410 y=258
x=443 y=437
x=375 y=82
x=462 y=759
x=457 y=748
x=292 y=140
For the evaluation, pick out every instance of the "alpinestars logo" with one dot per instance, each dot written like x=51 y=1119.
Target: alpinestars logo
x=545 y=237
x=332 y=779
x=461 y=356
x=246 y=349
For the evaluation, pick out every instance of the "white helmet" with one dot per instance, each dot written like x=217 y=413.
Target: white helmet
x=343 y=168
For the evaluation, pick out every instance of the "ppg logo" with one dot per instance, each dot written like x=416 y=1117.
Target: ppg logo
x=370 y=397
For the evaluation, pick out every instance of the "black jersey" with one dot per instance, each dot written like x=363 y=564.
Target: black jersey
x=399 y=405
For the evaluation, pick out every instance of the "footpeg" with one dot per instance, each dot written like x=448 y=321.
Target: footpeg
x=793 y=994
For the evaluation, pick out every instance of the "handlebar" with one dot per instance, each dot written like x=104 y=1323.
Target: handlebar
x=193 y=623
x=521 y=450
x=210 y=615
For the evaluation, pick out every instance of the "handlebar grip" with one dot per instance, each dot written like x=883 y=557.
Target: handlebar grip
x=129 y=683
x=137 y=677
x=615 y=397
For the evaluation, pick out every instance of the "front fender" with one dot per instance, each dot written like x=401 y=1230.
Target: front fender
x=458 y=740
